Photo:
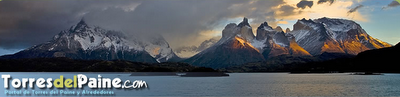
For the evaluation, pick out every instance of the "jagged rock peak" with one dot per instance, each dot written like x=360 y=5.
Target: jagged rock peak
x=245 y=22
x=279 y=29
x=305 y=20
x=334 y=35
x=264 y=25
x=81 y=24
x=287 y=30
x=229 y=30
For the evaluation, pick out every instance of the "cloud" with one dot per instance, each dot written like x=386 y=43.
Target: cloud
x=286 y=10
x=355 y=9
x=324 y=1
x=209 y=33
x=393 y=4
x=26 y=23
x=37 y=21
x=338 y=9
x=181 y=22
x=282 y=22
x=304 y=4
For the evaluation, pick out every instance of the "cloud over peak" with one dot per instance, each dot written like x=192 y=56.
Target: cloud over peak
x=181 y=22
x=326 y=1
x=355 y=9
x=394 y=3
x=303 y=4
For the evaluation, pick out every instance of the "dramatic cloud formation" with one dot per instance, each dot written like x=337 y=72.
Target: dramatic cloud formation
x=394 y=3
x=185 y=19
x=25 y=23
x=324 y=1
x=304 y=4
x=338 y=9
x=355 y=9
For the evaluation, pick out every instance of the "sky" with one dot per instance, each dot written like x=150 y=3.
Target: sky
x=24 y=23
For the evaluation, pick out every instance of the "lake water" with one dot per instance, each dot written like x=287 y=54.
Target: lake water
x=241 y=84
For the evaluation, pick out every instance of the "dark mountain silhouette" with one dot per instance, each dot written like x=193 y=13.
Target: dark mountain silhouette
x=378 y=60
x=75 y=65
x=287 y=63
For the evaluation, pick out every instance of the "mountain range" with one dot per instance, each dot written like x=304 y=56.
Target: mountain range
x=238 y=44
x=83 y=41
x=334 y=35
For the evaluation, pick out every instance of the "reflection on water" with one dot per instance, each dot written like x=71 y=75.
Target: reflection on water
x=246 y=84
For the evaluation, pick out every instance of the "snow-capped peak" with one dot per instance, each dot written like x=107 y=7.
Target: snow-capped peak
x=266 y=27
x=80 y=26
x=338 y=24
x=333 y=35
x=267 y=37
x=89 y=38
x=243 y=30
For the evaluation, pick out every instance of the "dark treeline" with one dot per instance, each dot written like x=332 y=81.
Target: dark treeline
x=74 y=65
x=383 y=60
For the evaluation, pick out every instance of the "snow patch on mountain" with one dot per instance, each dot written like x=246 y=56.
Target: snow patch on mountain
x=334 y=35
x=92 y=38
x=300 y=34
x=282 y=44
x=259 y=44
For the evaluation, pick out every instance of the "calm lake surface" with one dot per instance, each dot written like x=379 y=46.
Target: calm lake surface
x=240 y=84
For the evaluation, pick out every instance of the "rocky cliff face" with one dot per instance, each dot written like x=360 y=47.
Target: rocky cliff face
x=238 y=44
x=274 y=42
x=334 y=35
x=234 y=48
